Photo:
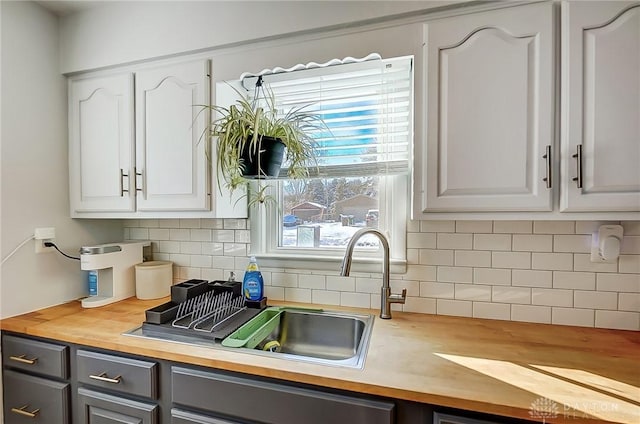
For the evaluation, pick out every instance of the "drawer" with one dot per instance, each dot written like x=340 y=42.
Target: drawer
x=179 y=416
x=29 y=399
x=229 y=395
x=36 y=356
x=112 y=372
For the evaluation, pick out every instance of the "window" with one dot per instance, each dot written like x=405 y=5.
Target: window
x=363 y=162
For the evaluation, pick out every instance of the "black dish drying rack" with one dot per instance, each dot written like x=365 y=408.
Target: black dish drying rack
x=201 y=309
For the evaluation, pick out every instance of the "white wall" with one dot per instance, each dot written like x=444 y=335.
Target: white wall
x=34 y=168
x=122 y=32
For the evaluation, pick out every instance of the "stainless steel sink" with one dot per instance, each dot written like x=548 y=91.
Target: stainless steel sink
x=322 y=337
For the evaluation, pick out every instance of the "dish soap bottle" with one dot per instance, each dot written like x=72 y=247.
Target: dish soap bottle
x=252 y=283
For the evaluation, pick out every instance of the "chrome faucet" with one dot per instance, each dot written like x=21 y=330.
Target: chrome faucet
x=387 y=298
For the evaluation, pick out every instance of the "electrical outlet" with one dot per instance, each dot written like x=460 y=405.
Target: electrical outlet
x=43 y=235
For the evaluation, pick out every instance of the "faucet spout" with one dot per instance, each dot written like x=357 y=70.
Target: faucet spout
x=387 y=298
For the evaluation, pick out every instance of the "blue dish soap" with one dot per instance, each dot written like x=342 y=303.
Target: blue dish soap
x=252 y=283
x=93 y=283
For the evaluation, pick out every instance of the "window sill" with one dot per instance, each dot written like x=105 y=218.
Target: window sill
x=328 y=263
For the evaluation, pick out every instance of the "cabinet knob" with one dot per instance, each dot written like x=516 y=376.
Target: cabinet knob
x=578 y=157
x=547 y=156
x=122 y=190
x=23 y=411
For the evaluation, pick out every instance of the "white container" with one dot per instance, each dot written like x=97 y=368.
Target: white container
x=153 y=279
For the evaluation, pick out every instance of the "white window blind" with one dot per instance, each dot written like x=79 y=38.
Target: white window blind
x=366 y=106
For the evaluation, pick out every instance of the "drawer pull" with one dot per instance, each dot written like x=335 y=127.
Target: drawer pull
x=23 y=359
x=23 y=411
x=103 y=377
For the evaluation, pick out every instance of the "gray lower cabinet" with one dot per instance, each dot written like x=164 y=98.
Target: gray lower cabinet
x=269 y=402
x=179 y=416
x=31 y=399
x=100 y=408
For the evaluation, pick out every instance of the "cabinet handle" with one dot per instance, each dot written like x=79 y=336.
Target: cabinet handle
x=122 y=190
x=138 y=174
x=23 y=411
x=547 y=156
x=23 y=359
x=103 y=377
x=578 y=157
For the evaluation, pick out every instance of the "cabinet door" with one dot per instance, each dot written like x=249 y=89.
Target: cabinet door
x=99 y=408
x=29 y=399
x=489 y=112
x=101 y=144
x=171 y=162
x=601 y=106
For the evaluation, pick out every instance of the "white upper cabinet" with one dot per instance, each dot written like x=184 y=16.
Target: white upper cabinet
x=490 y=111
x=101 y=144
x=600 y=106
x=171 y=161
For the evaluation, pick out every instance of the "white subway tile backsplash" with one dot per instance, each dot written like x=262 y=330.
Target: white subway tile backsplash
x=158 y=234
x=297 y=295
x=473 y=292
x=492 y=310
x=421 y=240
x=551 y=297
x=518 y=260
x=531 y=278
x=459 y=308
x=355 y=300
x=436 y=257
x=574 y=280
x=629 y=302
x=368 y=285
x=629 y=264
x=554 y=227
x=437 y=226
x=474 y=226
x=536 y=271
x=552 y=261
x=420 y=272
x=574 y=243
x=198 y=234
x=324 y=297
x=179 y=234
x=223 y=236
x=341 y=284
x=284 y=279
x=450 y=274
x=439 y=290
x=492 y=241
x=631 y=228
x=492 y=276
x=595 y=300
x=591 y=227
x=519 y=295
x=529 y=313
x=571 y=316
x=191 y=247
x=629 y=283
x=513 y=227
x=421 y=305
x=630 y=245
x=317 y=282
x=274 y=293
x=454 y=241
x=474 y=258
x=532 y=243
x=618 y=320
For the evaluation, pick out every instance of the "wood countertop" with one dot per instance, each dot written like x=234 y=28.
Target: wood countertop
x=497 y=367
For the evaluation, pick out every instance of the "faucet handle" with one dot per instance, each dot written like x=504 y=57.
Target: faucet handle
x=398 y=298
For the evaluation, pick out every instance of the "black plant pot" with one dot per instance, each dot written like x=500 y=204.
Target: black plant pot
x=266 y=160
